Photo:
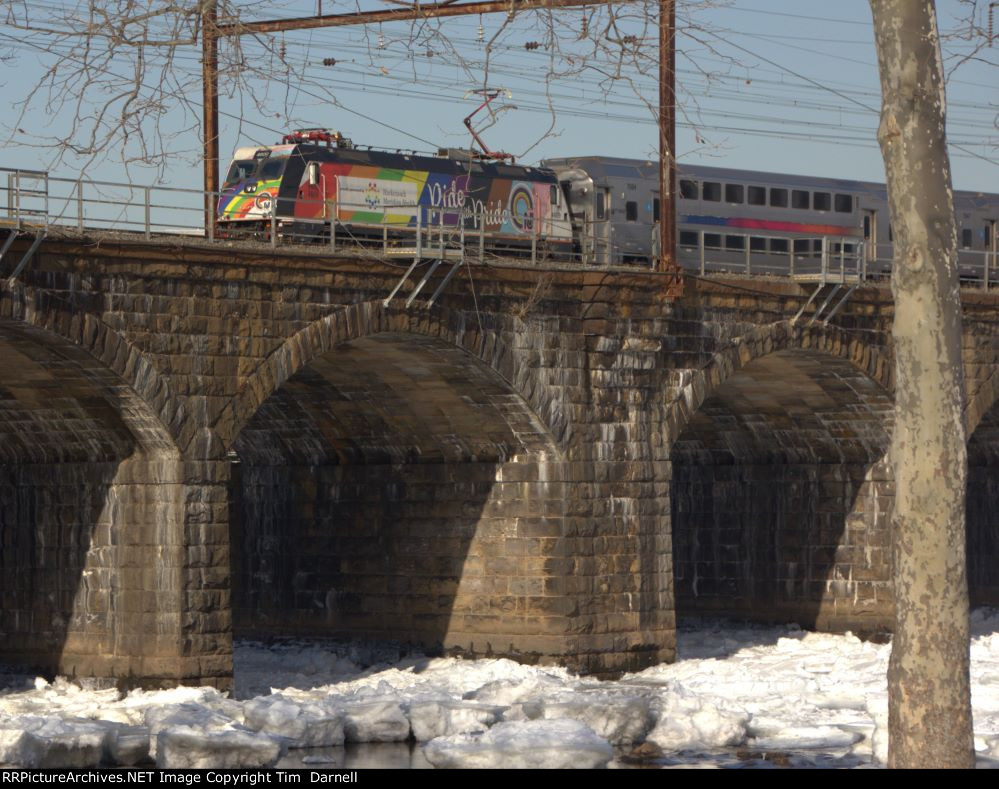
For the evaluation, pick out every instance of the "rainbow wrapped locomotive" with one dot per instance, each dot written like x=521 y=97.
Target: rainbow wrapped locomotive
x=314 y=176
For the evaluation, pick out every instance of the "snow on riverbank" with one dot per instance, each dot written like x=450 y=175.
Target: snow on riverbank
x=812 y=698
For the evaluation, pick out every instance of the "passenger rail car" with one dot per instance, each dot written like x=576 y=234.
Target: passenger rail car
x=316 y=175
x=737 y=220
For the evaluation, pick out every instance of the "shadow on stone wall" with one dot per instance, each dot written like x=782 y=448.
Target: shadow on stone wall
x=61 y=443
x=393 y=490
x=780 y=497
x=982 y=512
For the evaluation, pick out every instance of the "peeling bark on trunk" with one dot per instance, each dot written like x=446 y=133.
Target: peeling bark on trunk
x=928 y=682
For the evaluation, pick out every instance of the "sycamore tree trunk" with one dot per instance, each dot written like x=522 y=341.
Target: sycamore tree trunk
x=929 y=705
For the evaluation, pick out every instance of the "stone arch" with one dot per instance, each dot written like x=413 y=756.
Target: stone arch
x=354 y=321
x=697 y=385
x=430 y=494
x=781 y=494
x=139 y=386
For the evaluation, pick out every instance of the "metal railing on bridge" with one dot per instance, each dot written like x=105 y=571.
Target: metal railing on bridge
x=37 y=202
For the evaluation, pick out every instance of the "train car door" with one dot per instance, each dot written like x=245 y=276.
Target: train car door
x=602 y=225
x=870 y=236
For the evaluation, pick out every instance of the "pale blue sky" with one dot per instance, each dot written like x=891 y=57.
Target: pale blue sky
x=780 y=85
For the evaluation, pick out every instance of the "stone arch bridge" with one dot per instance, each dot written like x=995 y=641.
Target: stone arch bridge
x=200 y=442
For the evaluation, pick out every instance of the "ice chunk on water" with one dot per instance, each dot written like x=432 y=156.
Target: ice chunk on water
x=185 y=747
x=554 y=744
x=619 y=719
x=127 y=745
x=189 y=716
x=375 y=720
x=802 y=737
x=443 y=717
x=41 y=743
x=304 y=724
x=688 y=722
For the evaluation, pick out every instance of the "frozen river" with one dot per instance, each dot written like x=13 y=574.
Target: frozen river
x=737 y=696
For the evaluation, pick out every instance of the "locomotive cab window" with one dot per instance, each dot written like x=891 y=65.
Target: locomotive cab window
x=756 y=195
x=631 y=211
x=821 y=201
x=711 y=191
x=843 y=204
x=966 y=239
x=778 y=198
x=239 y=170
x=733 y=193
x=601 y=205
x=688 y=189
x=553 y=195
x=799 y=199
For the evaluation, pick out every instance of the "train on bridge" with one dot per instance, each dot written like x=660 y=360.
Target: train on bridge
x=592 y=209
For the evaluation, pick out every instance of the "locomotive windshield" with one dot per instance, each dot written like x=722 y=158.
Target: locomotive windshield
x=268 y=169
x=271 y=168
x=239 y=170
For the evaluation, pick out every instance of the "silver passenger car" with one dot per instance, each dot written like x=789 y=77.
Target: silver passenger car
x=753 y=222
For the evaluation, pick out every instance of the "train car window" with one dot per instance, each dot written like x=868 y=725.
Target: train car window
x=601 y=206
x=688 y=189
x=655 y=209
x=821 y=201
x=987 y=235
x=631 y=211
x=802 y=245
x=867 y=226
x=688 y=238
x=849 y=249
x=799 y=199
x=756 y=195
x=733 y=193
x=966 y=238
x=778 y=245
x=735 y=242
x=816 y=245
x=712 y=240
x=778 y=198
x=711 y=191
x=757 y=244
x=843 y=204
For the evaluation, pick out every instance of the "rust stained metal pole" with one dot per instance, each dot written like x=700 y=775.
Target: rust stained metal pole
x=210 y=108
x=415 y=11
x=667 y=141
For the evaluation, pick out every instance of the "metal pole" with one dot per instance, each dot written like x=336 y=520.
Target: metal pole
x=146 y=191
x=419 y=231
x=210 y=107
x=534 y=241
x=749 y=265
x=700 y=244
x=667 y=137
x=211 y=225
x=274 y=226
x=79 y=205
x=17 y=198
x=333 y=221
x=482 y=236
